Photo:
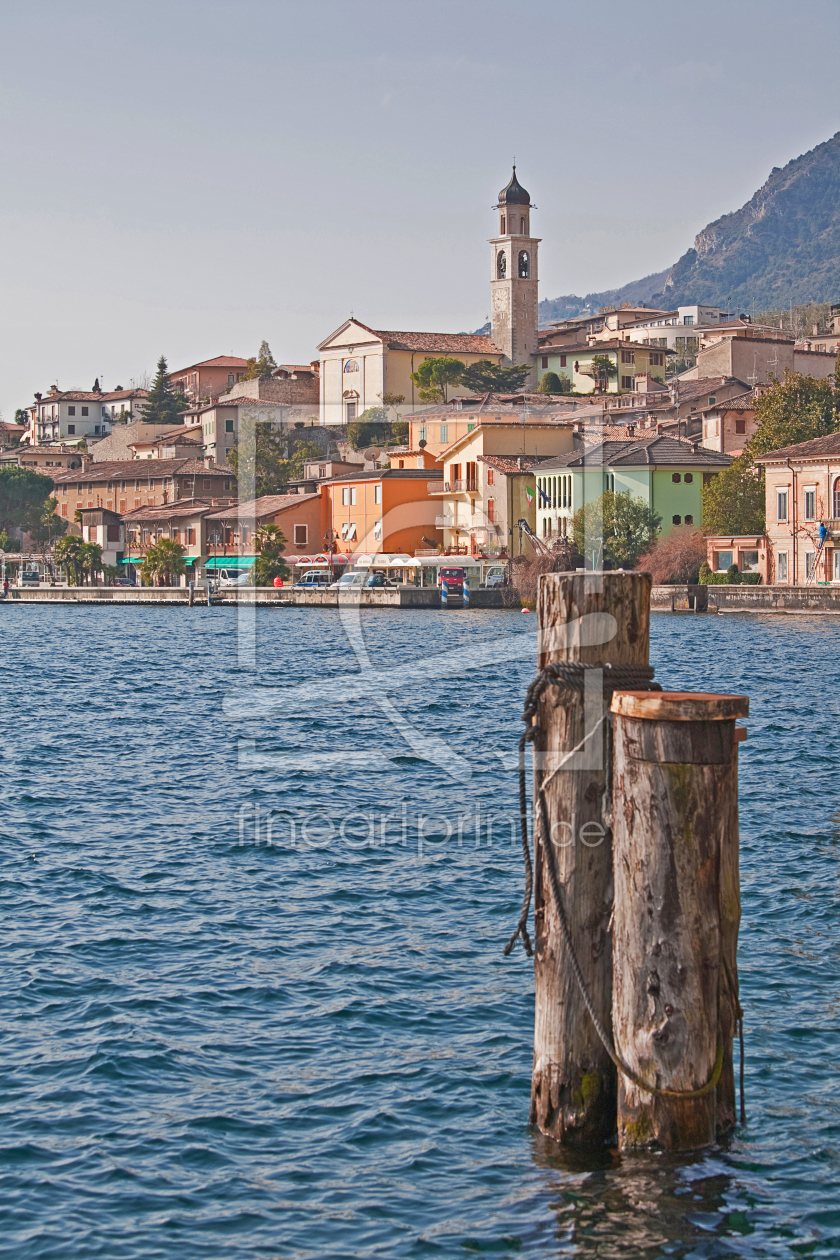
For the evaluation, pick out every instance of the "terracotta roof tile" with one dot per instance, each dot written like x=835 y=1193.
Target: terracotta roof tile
x=266 y=505
x=816 y=448
x=438 y=343
x=130 y=469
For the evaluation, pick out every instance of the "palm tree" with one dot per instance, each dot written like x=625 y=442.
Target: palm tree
x=270 y=543
x=163 y=561
x=67 y=555
x=90 y=559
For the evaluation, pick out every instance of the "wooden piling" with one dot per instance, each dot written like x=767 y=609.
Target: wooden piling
x=676 y=911
x=594 y=619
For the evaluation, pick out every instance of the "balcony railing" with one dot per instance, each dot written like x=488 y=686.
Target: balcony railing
x=437 y=487
x=444 y=522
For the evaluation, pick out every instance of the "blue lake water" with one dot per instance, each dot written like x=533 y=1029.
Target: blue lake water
x=306 y=1042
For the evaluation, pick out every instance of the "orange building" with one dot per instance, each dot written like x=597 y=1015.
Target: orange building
x=385 y=509
x=209 y=378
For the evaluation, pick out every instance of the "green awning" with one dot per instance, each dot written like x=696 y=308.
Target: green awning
x=138 y=560
x=230 y=562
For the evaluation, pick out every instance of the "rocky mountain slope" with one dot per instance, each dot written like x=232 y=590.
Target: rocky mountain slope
x=782 y=246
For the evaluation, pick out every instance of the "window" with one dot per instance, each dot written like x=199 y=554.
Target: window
x=712 y=400
x=835 y=567
x=301 y=535
x=191 y=535
x=782 y=565
x=377 y=531
x=490 y=476
x=208 y=484
x=348 y=531
x=675 y=477
x=401 y=463
x=562 y=360
x=351 y=365
x=64 y=513
x=71 y=411
x=689 y=520
x=501 y=265
x=348 y=496
x=228 y=426
x=810 y=504
x=350 y=409
x=230 y=378
x=524 y=264
x=676 y=520
x=470 y=427
x=422 y=433
x=609 y=483
x=740 y=426
x=724 y=560
x=444 y=433
x=749 y=561
x=688 y=478
x=377 y=493
x=810 y=558
x=174 y=534
x=85 y=411
x=545 y=527
x=628 y=356
x=545 y=360
x=122 y=505
x=688 y=319
x=71 y=428
x=491 y=510
x=503 y=226
x=522 y=225
x=836 y=512
x=627 y=382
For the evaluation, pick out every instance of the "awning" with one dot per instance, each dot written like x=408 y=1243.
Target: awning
x=138 y=560
x=230 y=562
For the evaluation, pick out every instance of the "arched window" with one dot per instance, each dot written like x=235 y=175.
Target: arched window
x=351 y=365
x=501 y=264
x=524 y=264
x=503 y=226
x=837 y=499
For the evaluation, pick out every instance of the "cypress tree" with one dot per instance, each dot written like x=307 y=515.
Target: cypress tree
x=164 y=405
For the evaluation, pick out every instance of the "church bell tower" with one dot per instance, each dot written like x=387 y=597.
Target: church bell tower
x=513 y=279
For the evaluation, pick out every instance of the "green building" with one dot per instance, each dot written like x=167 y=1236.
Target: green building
x=666 y=473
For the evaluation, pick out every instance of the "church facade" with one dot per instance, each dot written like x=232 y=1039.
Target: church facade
x=359 y=365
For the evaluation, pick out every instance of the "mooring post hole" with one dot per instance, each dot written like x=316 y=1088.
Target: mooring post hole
x=635 y=880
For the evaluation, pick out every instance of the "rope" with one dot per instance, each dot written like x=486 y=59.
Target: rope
x=571 y=677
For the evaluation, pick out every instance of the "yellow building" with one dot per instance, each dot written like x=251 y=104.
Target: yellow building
x=488 y=484
x=627 y=360
x=360 y=364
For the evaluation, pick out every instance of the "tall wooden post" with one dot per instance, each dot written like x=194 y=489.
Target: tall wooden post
x=675 y=796
x=593 y=618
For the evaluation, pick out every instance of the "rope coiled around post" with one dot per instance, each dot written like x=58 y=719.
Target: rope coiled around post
x=571 y=676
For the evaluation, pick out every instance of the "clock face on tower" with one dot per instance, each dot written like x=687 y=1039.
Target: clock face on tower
x=500 y=300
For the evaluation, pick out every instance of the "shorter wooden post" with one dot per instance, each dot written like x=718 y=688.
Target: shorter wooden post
x=675 y=781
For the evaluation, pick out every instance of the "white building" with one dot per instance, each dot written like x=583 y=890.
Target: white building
x=74 y=414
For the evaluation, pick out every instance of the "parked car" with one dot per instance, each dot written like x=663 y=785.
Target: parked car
x=313 y=579
x=125 y=581
x=495 y=577
x=349 y=581
x=227 y=578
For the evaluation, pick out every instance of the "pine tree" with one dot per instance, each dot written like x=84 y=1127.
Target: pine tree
x=164 y=405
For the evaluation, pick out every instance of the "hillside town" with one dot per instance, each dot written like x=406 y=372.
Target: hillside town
x=404 y=451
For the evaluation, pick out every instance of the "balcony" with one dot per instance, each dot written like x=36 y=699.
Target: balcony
x=437 y=487
x=445 y=522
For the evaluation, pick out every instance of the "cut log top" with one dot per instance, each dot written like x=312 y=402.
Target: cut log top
x=680 y=706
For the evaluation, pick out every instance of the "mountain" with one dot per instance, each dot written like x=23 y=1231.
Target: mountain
x=570 y=306
x=782 y=246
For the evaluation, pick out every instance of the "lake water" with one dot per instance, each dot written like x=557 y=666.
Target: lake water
x=306 y=1042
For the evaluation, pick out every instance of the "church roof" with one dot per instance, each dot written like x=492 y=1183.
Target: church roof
x=514 y=194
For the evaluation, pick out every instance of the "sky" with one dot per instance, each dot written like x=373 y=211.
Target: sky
x=188 y=178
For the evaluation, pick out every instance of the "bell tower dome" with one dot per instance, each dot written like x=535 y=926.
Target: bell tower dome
x=513 y=279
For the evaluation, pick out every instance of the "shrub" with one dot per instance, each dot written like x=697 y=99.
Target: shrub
x=677 y=558
x=733 y=575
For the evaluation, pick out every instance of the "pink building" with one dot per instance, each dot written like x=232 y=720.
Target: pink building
x=802 y=484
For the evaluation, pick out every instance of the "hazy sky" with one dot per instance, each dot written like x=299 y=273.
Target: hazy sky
x=187 y=178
